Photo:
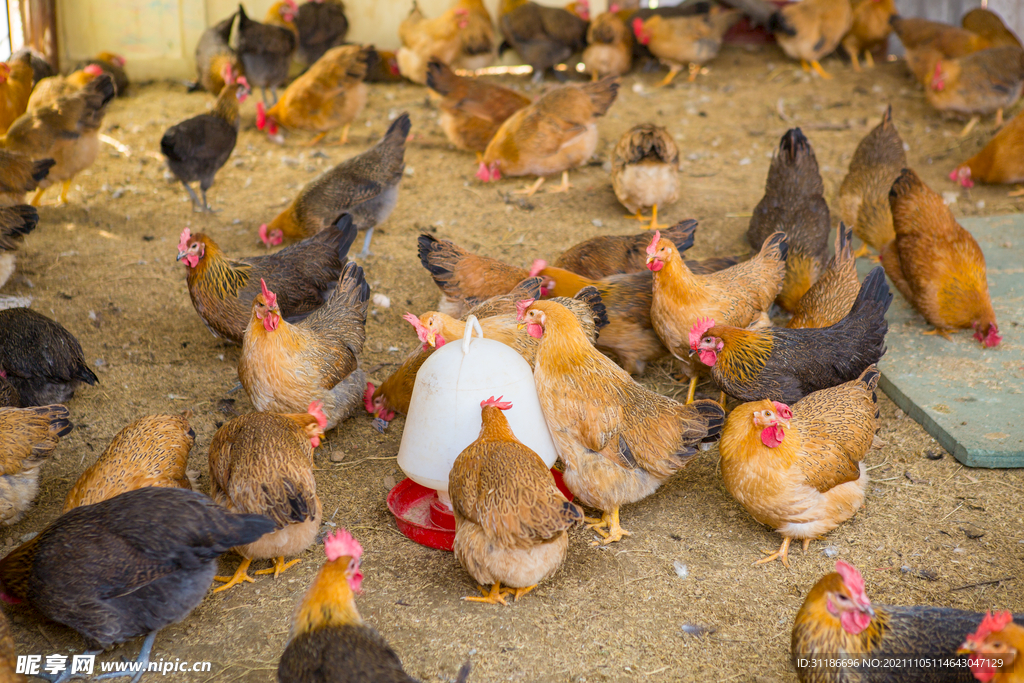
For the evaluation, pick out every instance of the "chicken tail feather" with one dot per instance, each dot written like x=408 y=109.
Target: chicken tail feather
x=714 y=415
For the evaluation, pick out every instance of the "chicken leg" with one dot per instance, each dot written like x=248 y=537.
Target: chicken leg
x=366 y=244
x=672 y=71
x=241 y=576
x=970 y=126
x=520 y=592
x=781 y=554
x=869 y=59
x=530 y=190
x=609 y=521
x=655 y=225
x=939 y=331
x=692 y=390
x=279 y=566
x=38 y=196
x=821 y=72
x=65 y=186
x=563 y=186
x=494 y=597
x=139 y=666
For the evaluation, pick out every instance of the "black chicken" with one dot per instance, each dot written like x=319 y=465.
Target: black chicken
x=266 y=52
x=41 y=359
x=322 y=25
x=543 y=36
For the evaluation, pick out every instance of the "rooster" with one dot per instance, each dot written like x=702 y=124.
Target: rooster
x=785 y=365
x=618 y=440
x=285 y=367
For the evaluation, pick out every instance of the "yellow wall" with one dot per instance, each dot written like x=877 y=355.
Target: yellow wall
x=158 y=37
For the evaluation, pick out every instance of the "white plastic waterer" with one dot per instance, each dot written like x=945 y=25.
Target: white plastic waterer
x=444 y=412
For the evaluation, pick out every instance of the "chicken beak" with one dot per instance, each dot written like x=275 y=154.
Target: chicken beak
x=651 y=259
x=181 y=255
x=692 y=353
x=866 y=609
x=785 y=423
x=432 y=339
x=520 y=326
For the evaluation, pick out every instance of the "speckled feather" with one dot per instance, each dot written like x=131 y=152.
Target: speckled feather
x=27 y=438
x=645 y=168
x=830 y=299
x=607 y=255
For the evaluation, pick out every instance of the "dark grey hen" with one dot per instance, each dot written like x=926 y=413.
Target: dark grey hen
x=40 y=358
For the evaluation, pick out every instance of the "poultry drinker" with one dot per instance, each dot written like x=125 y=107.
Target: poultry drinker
x=444 y=418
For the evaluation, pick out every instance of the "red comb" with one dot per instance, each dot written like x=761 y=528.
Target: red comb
x=992 y=623
x=228 y=74
x=270 y=297
x=261 y=116
x=342 y=544
x=497 y=403
x=853 y=580
x=368 y=397
x=538 y=265
x=653 y=246
x=698 y=330
x=93 y=70
x=521 y=307
x=783 y=410
x=316 y=409
x=186 y=235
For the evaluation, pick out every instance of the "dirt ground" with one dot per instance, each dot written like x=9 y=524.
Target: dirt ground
x=104 y=266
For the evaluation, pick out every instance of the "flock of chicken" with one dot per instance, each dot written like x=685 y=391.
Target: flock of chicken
x=136 y=548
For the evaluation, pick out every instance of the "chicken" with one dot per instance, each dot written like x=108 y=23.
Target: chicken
x=477 y=37
x=685 y=42
x=800 y=470
x=609 y=49
x=838 y=617
x=830 y=299
x=1001 y=161
x=980 y=83
x=936 y=265
x=20 y=174
x=365 y=186
x=811 y=29
x=741 y=294
x=196 y=148
x=554 y=134
x=16 y=82
x=40 y=67
x=321 y=24
x=49 y=90
x=618 y=441
x=41 y=359
x=510 y=518
x=996 y=649
x=66 y=130
x=285 y=367
x=27 y=438
x=262 y=463
x=793 y=200
x=152 y=451
x=926 y=42
x=870 y=29
x=303 y=275
x=645 y=171
x=8 y=655
x=987 y=24
x=329 y=640
x=543 y=36
x=384 y=69
x=472 y=109
x=329 y=95
x=112 y=65
x=864 y=194
x=425 y=39
x=213 y=54
x=15 y=223
x=127 y=566
x=395 y=393
x=785 y=365
x=266 y=51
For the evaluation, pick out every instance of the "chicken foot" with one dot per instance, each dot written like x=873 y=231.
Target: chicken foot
x=494 y=597
x=366 y=244
x=781 y=554
x=139 y=666
x=970 y=126
x=672 y=71
x=531 y=190
x=564 y=185
x=816 y=66
x=939 y=331
x=66 y=674
x=609 y=521
x=279 y=566
x=241 y=576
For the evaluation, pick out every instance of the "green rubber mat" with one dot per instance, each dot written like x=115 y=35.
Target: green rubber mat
x=970 y=399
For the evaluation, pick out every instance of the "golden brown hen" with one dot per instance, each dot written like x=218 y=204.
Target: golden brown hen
x=811 y=29
x=926 y=42
x=609 y=47
x=645 y=171
x=830 y=299
x=869 y=30
x=684 y=42
x=27 y=438
x=1000 y=161
x=980 y=83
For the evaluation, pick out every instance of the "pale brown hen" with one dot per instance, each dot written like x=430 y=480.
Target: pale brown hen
x=830 y=299
x=27 y=438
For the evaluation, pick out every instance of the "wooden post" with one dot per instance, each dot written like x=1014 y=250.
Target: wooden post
x=39 y=28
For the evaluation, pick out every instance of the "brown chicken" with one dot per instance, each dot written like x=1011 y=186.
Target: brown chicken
x=685 y=42
x=8 y=655
x=113 y=65
x=303 y=275
x=20 y=174
x=618 y=441
x=543 y=36
x=936 y=264
x=799 y=470
x=794 y=201
x=830 y=299
x=27 y=438
x=329 y=95
x=838 y=617
x=213 y=54
x=742 y=294
x=384 y=69
x=607 y=255
x=554 y=134
x=365 y=186
x=864 y=194
x=926 y=42
x=609 y=47
x=152 y=451
x=40 y=67
x=1001 y=161
x=478 y=45
x=262 y=463
x=425 y=39
x=996 y=649
x=987 y=24
x=980 y=83
x=15 y=223
x=811 y=29
x=16 y=82
x=41 y=358
x=785 y=365
x=510 y=518
x=285 y=367
x=472 y=109
x=645 y=171
x=51 y=89
x=869 y=31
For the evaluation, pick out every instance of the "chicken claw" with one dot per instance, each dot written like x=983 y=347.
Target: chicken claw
x=821 y=72
x=655 y=225
x=241 y=576
x=520 y=592
x=609 y=521
x=279 y=566
x=564 y=186
x=530 y=190
x=494 y=597
x=673 y=70
x=942 y=333
x=141 y=664
x=781 y=554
